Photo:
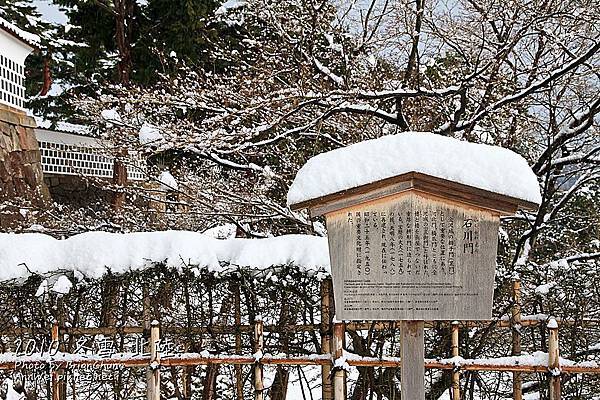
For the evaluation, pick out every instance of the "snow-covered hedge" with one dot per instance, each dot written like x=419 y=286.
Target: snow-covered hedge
x=94 y=253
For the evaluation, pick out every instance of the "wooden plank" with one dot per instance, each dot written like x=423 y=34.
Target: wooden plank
x=455 y=353
x=326 y=334
x=413 y=258
x=153 y=389
x=412 y=382
x=197 y=359
x=56 y=373
x=442 y=187
x=259 y=384
x=554 y=392
x=375 y=194
x=239 y=385
x=232 y=329
x=339 y=375
x=516 y=337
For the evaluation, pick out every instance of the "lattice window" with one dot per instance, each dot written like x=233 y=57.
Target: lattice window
x=12 y=82
x=78 y=159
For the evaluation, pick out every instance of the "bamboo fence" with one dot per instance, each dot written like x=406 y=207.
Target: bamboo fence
x=331 y=361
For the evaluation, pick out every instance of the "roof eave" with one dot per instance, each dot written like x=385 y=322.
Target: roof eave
x=442 y=188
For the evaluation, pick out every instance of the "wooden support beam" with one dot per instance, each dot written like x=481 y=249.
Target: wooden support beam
x=191 y=359
x=412 y=381
x=339 y=375
x=153 y=388
x=239 y=384
x=231 y=329
x=326 y=330
x=259 y=384
x=57 y=374
x=553 y=361
x=516 y=337
x=455 y=353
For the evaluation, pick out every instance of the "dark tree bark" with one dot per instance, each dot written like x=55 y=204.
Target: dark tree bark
x=124 y=30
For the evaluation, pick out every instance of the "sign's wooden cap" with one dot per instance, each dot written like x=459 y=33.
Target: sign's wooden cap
x=479 y=175
x=442 y=189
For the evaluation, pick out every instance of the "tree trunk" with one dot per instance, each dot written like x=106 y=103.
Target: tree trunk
x=47 y=75
x=280 y=384
x=124 y=27
x=119 y=179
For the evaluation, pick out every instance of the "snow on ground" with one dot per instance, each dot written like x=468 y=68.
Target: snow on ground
x=486 y=167
x=92 y=253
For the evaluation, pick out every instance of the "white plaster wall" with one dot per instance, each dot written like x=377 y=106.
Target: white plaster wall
x=13 y=48
x=12 y=91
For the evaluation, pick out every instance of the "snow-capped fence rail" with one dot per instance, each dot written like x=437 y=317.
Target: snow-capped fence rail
x=334 y=360
x=340 y=359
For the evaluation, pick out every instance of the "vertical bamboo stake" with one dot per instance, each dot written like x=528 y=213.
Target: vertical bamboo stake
x=259 y=384
x=146 y=315
x=153 y=389
x=239 y=386
x=516 y=337
x=339 y=375
x=326 y=387
x=455 y=374
x=553 y=360
x=56 y=375
x=412 y=381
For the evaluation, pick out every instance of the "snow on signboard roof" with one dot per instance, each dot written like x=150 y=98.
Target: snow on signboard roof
x=93 y=253
x=26 y=37
x=486 y=167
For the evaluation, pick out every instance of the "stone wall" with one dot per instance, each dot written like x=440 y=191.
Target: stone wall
x=20 y=161
x=76 y=190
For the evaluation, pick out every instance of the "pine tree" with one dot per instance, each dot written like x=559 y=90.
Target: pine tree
x=176 y=29
x=24 y=14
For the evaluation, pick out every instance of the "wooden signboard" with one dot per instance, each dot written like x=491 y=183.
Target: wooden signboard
x=413 y=247
x=412 y=257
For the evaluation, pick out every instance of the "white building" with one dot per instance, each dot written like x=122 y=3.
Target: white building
x=69 y=155
x=15 y=46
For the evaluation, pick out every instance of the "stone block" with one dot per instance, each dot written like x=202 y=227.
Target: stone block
x=21 y=187
x=10 y=143
x=31 y=157
x=27 y=139
x=29 y=175
x=5 y=172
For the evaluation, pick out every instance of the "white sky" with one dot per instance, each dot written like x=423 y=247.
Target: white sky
x=50 y=11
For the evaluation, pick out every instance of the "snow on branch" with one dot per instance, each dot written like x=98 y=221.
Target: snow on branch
x=535 y=86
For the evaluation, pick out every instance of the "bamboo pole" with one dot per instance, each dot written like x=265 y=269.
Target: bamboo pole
x=339 y=375
x=239 y=386
x=350 y=326
x=455 y=372
x=553 y=361
x=516 y=337
x=192 y=359
x=153 y=389
x=259 y=385
x=326 y=386
x=56 y=372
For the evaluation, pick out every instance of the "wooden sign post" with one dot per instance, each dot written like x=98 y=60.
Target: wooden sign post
x=413 y=247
